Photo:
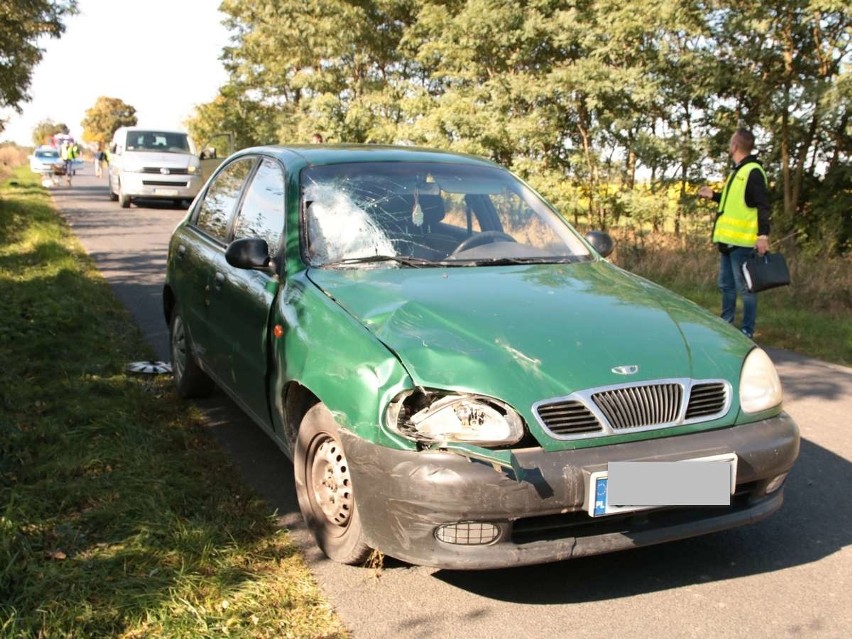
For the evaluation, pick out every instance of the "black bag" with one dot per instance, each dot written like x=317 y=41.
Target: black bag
x=762 y=272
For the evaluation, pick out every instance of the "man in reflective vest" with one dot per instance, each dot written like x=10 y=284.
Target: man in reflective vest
x=742 y=226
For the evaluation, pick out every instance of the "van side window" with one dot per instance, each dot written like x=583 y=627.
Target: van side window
x=217 y=208
x=262 y=212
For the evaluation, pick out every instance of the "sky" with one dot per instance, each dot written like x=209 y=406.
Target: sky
x=159 y=56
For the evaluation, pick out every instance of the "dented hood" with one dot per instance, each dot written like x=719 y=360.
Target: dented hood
x=531 y=332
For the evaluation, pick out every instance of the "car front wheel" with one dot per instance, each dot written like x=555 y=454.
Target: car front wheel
x=123 y=198
x=190 y=380
x=324 y=489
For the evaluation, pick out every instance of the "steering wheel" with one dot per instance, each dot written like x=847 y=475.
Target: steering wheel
x=486 y=237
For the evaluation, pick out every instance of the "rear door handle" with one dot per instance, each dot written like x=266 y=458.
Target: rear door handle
x=181 y=251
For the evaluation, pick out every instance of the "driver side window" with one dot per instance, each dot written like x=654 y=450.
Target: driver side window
x=217 y=208
x=262 y=212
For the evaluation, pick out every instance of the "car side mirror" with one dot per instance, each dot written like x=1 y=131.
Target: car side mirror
x=601 y=242
x=248 y=253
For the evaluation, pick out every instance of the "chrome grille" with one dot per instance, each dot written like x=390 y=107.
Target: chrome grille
x=568 y=418
x=633 y=407
x=159 y=171
x=638 y=406
x=706 y=399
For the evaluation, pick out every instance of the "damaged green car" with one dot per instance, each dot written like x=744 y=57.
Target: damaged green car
x=460 y=378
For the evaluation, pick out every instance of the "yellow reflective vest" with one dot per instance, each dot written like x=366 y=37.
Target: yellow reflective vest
x=737 y=222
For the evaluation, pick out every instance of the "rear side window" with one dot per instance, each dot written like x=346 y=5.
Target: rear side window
x=262 y=212
x=217 y=208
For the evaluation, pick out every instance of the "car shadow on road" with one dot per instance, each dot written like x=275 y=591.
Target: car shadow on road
x=814 y=522
x=87 y=191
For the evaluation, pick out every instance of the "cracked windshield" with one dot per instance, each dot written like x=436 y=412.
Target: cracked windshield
x=429 y=214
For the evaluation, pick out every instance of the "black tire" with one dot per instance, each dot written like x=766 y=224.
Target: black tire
x=190 y=380
x=123 y=198
x=324 y=489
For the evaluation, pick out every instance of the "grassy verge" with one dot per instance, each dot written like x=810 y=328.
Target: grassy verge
x=119 y=517
x=813 y=316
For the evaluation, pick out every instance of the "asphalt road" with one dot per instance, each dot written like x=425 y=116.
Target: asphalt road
x=789 y=576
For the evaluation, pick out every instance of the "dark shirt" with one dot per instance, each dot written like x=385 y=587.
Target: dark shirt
x=756 y=195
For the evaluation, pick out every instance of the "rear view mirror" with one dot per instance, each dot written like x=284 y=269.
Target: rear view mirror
x=601 y=242
x=248 y=253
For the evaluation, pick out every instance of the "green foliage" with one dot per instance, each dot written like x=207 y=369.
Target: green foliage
x=105 y=117
x=22 y=23
x=605 y=106
x=46 y=129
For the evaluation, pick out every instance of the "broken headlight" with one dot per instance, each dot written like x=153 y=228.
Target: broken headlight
x=433 y=418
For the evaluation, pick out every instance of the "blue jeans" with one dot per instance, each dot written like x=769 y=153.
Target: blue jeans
x=731 y=282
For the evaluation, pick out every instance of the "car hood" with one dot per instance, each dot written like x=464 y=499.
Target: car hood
x=532 y=332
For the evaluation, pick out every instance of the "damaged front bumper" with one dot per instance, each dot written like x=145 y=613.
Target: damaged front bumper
x=450 y=510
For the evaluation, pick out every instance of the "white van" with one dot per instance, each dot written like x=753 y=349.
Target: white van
x=153 y=164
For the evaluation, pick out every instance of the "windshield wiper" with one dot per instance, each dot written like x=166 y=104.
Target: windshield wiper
x=414 y=262
x=505 y=261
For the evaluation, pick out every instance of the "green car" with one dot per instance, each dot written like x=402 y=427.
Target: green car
x=461 y=379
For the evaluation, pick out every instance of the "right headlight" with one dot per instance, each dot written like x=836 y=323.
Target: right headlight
x=760 y=388
x=434 y=417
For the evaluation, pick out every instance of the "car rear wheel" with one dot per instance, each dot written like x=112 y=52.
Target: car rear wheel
x=324 y=489
x=190 y=380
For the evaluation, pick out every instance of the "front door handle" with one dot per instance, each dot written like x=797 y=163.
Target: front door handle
x=218 y=281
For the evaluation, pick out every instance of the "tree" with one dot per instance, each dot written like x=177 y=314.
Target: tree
x=105 y=117
x=232 y=113
x=46 y=129
x=784 y=66
x=614 y=110
x=22 y=23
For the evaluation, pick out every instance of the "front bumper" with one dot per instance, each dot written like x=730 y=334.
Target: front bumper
x=151 y=186
x=403 y=497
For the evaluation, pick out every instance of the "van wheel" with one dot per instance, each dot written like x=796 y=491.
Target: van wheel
x=190 y=380
x=123 y=198
x=324 y=489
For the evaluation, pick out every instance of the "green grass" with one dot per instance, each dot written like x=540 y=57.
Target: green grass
x=813 y=316
x=119 y=516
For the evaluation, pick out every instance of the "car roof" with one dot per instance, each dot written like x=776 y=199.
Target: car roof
x=156 y=129
x=322 y=154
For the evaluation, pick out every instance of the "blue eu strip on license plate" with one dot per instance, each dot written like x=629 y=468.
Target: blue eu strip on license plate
x=632 y=486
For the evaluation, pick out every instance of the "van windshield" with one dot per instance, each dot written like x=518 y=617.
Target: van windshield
x=158 y=141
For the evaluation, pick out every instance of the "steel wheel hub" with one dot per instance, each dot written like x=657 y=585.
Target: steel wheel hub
x=331 y=483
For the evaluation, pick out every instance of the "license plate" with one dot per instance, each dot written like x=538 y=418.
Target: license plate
x=648 y=485
x=168 y=192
